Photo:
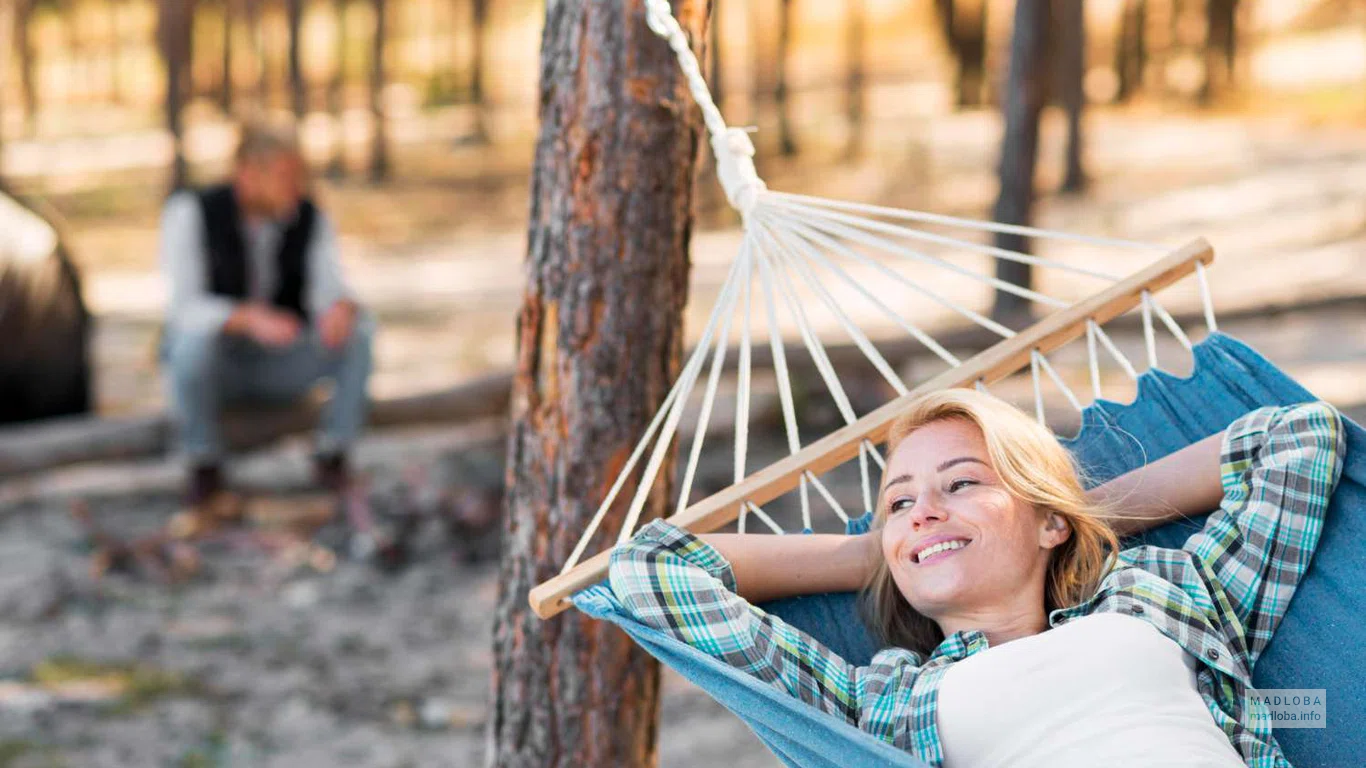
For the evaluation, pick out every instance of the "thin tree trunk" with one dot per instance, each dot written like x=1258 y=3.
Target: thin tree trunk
x=298 y=90
x=336 y=96
x=27 y=62
x=257 y=30
x=479 y=49
x=1026 y=93
x=1071 y=82
x=115 y=9
x=600 y=337
x=1220 y=50
x=855 y=41
x=7 y=30
x=379 y=146
x=717 y=82
x=225 y=86
x=1131 y=55
x=964 y=26
x=174 y=22
x=786 y=139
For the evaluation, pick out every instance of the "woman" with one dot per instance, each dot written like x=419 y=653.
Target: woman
x=1016 y=632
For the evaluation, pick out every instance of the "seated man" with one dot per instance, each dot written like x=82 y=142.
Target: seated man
x=258 y=308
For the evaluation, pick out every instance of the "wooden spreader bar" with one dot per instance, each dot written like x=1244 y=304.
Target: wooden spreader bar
x=991 y=365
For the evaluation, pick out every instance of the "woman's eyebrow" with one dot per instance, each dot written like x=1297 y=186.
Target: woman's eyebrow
x=959 y=460
x=950 y=463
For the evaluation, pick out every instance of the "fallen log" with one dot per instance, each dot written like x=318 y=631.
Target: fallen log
x=32 y=448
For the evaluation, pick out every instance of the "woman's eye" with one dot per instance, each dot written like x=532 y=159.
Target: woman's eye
x=901 y=505
x=958 y=485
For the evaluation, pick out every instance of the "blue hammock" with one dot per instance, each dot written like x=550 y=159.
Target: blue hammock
x=1318 y=645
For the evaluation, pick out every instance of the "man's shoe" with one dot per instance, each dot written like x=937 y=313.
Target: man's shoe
x=204 y=483
x=332 y=471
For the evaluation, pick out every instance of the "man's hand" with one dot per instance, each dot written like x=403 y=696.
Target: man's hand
x=336 y=324
x=268 y=326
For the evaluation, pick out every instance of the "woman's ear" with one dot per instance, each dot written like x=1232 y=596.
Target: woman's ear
x=1055 y=530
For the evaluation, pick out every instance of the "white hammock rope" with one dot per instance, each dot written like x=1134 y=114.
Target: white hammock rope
x=920 y=335
x=811 y=237
x=929 y=237
x=775 y=340
x=797 y=247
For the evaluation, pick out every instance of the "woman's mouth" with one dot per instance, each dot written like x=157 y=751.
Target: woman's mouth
x=938 y=551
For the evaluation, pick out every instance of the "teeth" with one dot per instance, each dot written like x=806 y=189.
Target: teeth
x=940 y=547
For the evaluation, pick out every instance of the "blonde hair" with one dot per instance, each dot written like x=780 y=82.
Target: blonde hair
x=1033 y=467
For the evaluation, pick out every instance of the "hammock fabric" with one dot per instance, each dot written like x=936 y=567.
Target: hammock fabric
x=1317 y=645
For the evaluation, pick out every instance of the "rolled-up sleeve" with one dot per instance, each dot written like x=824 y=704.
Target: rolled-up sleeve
x=191 y=307
x=1279 y=467
x=673 y=581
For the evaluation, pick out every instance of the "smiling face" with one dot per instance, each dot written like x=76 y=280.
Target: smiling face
x=957 y=542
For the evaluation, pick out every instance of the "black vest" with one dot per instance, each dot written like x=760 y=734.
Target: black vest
x=227 y=250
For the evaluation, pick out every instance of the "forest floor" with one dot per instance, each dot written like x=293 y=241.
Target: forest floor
x=283 y=659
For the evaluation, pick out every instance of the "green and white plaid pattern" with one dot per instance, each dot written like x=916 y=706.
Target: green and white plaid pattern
x=1220 y=597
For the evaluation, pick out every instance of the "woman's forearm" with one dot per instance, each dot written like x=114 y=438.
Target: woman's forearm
x=769 y=567
x=1175 y=486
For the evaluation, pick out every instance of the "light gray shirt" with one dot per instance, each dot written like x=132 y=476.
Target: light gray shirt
x=184 y=259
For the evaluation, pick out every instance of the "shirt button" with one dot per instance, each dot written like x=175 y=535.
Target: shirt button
x=1212 y=654
x=1137 y=609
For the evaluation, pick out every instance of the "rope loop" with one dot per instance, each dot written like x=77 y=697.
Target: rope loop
x=733 y=149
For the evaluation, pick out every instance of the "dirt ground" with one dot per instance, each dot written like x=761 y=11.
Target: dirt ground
x=281 y=659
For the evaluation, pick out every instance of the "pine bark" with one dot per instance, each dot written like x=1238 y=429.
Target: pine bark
x=600 y=339
x=1027 y=86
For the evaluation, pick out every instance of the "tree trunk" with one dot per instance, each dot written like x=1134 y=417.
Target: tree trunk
x=27 y=62
x=115 y=9
x=1071 y=86
x=257 y=33
x=599 y=344
x=44 y=362
x=173 y=32
x=964 y=26
x=1026 y=93
x=717 y=82
x=225 y=86
x=298 y=90
x=855 y=41
x=7 y=28
x=1131 y=54
x=336 y=95
x=379 y=144
x=1220 y=51
x=786 y=139
x=479 y=50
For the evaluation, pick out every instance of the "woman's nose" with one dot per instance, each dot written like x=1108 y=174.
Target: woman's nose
x=928 y=508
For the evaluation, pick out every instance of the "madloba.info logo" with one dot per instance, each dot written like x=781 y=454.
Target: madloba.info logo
x=1289 y=707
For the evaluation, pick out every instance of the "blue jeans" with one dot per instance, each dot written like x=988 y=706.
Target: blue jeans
x=210 y=370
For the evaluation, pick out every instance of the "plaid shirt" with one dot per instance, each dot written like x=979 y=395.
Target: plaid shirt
x=1220 y=597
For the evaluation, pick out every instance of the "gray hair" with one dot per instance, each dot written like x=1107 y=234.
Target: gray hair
x=262 y=140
